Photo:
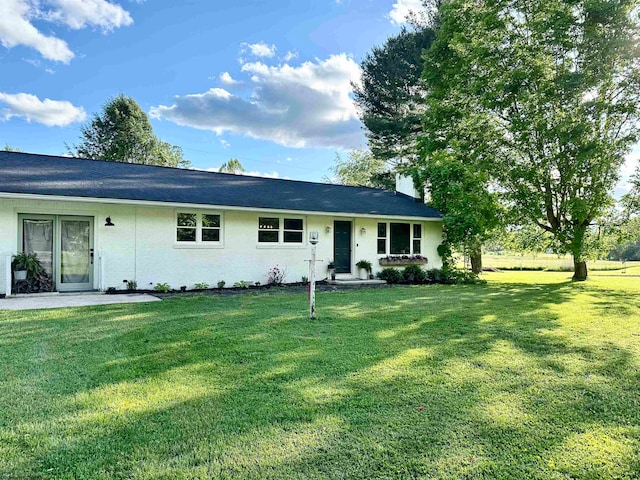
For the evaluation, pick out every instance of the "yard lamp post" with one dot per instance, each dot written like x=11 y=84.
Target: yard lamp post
x=313 y=240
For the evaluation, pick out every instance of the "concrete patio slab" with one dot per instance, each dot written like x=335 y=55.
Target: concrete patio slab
x=67 y=300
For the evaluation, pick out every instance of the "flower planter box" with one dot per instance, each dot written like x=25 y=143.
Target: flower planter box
x=402 y=262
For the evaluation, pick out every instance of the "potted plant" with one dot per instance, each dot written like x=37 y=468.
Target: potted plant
x=364 y=267
x=26 y=265
x=331 y=270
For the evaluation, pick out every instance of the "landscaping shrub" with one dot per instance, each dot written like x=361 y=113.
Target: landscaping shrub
x=452 y=276
x=390 y=275
x=162 y=287
x=276 y=275
x=414 y=274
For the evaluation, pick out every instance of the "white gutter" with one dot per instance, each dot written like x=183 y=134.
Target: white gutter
x=149 y=203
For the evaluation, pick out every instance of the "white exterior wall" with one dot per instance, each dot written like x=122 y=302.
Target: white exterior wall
x=142 y=245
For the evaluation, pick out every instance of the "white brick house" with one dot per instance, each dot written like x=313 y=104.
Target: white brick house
x=95 y=224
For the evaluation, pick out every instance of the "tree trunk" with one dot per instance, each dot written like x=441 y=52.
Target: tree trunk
x=579 y=270
x=476 y=260
x=577 y=246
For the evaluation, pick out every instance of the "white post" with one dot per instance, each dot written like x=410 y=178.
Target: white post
x=7 y=278
x=313 y=239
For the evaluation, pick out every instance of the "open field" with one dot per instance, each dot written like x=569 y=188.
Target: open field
x=547 y=261
x=530 y=376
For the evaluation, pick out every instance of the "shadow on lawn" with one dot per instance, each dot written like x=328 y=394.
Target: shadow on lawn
x=437 y=382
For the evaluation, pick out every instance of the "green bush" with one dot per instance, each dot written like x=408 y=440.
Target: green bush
x=390 y=275
x=162 y=287
x=452 y=276
x=414 y=275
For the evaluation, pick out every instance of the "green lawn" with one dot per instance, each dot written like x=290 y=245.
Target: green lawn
x=547 y=261
x=530 y=376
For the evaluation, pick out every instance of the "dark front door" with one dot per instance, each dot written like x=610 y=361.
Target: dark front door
x=342 y=246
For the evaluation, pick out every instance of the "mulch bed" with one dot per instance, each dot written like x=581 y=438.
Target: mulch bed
x=298 y=287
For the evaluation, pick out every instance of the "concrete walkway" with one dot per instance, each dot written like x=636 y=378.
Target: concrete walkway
x=34 y=302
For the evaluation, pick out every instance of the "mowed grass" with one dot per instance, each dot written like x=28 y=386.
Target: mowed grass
x=547 y=261
x=530 y=376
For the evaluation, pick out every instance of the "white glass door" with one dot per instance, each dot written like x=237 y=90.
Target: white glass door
x=76 y=253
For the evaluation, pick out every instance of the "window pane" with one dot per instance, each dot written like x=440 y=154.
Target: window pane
x=211 y=220
x=416 y=246
x=267 y=223
x=382 y=230
x=417 y=230
x=268 y=236
x=186 y=234
x=293 y=224
x=187 y=220
x=292 y=237
x=400 y=238
x=210 y=234
x=382 y=245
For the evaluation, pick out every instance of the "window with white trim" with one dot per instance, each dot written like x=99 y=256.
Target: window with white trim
x=417 y=238
x=399 y=238
x=280 y=230
x=382 y=238
x=198 y=228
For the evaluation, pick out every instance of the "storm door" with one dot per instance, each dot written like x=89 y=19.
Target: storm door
x=76 y=253
x=342 y=246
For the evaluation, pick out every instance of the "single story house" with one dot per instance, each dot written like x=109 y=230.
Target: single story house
x=96 y=224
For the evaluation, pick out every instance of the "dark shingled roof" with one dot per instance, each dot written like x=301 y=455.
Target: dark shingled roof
x=73 y=177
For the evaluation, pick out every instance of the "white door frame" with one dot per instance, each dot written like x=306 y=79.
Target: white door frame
x=57 y=247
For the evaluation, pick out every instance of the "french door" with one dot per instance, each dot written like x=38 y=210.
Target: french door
x=64 y=245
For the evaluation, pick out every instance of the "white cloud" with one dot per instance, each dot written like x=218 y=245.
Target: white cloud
x=290 y=55
x=224 y=143
x=226 y=78
x=53 y=113
x=260 y=49
x=296 y=106
x=16 y=27
x=273 y=174
x=79 y=14
x=401 y=10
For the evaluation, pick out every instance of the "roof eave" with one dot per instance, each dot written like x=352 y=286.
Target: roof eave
x=151 y=203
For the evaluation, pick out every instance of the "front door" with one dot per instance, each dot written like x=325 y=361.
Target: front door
x=64 y=245
x=342 y=246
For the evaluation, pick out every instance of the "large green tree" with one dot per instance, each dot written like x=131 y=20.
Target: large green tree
x=391 y=93
x=362 y=169
x=121 y=132
x=556 y=85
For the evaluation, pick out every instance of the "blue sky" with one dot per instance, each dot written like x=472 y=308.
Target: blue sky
x=267 y=82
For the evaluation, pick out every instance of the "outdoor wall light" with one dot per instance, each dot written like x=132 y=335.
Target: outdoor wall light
x=109 y=223
x=327 y=229
x=363 y=231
